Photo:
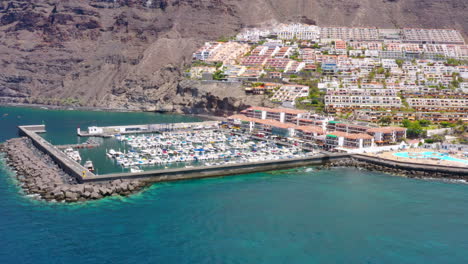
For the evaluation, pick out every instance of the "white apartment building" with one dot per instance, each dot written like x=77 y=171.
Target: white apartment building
x=432 y=36
x=289 y=93
x=206 y=51
x=359 y=101
x=438 y=103
x=298 y=31
x=345 y=33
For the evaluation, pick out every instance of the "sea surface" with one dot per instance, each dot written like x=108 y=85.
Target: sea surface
x=302 y=215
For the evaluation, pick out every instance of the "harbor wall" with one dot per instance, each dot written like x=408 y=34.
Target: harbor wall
x=220 y=170
x=70 y=166
x=426 y=169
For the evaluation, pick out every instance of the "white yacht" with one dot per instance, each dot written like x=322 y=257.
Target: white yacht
x=135 y=169
x=89 y=165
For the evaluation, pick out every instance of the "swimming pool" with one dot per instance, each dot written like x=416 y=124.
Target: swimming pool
x=429 y=155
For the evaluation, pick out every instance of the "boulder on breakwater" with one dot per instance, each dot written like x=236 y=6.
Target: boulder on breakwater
x=39 y=175
x=411 y=173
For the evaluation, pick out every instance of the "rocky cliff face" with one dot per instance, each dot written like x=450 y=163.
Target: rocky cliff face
x=131 y=53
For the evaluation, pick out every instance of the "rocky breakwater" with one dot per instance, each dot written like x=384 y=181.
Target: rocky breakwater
x=411 y=173
x=40 y=176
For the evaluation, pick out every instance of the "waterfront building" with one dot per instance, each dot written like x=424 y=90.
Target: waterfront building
x=387 y=135
x=308 y=133
x=279 y=114
x=262 y=126
x=334 y=140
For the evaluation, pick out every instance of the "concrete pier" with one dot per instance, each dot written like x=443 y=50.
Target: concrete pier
x=66 y=163
x=95 y=131
x=219 y=170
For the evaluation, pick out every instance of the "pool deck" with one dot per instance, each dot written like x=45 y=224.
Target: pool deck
x=423 y=161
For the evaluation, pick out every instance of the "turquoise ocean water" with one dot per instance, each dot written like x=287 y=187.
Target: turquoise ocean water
x=293 y=216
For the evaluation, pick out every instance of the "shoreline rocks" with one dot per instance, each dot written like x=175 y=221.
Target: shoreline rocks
x=39 y=175
x=419 y=174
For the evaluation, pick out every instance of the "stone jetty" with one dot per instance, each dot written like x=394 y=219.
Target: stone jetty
x=39 y=175
x=411 y=173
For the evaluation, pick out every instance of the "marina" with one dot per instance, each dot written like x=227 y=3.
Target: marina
x=198 y=148
x=199 y=153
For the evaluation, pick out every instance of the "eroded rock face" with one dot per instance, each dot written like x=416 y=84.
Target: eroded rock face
x=131 y=53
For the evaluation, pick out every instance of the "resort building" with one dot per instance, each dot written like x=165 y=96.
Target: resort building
x=438 y=104
x=387 y=135
x=282 y=115
x=350 y=128
x=334 y=103
x=328 y=34
x=289 y=93
x=432 y=36
x=308 y=133
x=263 y=127
x=344 y=140
x=298 y=31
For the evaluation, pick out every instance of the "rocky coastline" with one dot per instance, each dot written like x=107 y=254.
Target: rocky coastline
x=419 y=174
x=40 y=176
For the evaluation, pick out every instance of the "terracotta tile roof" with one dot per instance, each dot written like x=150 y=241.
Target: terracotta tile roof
x=338 y=134
x=310 y=129
x=386 y=129
x=278 y=110
x=268 y=122
x=358 y=136
x=241 y=117
x=274 y=123
x=350 y=125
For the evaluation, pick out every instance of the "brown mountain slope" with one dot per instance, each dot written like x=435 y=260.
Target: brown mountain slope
x=129 y=53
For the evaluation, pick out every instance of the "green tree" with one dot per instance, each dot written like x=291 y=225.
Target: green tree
x=413 y=129
x=218 y=75
x=424 y=123
x=385 y=120
x=399 y=63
